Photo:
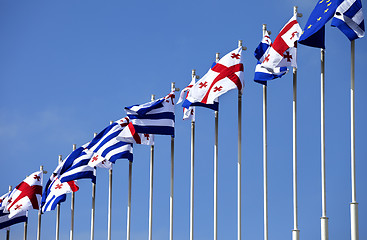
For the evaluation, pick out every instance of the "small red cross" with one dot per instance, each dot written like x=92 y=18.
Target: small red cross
x=147 y=136
x=37 y=177
x=218 y=89
x=266 y=59
x=203 y=84
x=236 y=56
x=95 y=158
x=18 y=206
x=293 y=34
x=58 y=186
x=287 y=56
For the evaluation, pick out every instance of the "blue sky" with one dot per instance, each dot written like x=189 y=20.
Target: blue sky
x=70 y=67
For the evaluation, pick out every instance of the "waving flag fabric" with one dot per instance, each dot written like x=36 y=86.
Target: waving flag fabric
x=55 y=192
x=188 y=113
x=27 y=195
x=349 y=19
x=107 y=148
x=225 y=75
x=75 y=166
x=262 y=75
x=130 y=135
x=286 y=39
x=314 y=31
x=5 y=221
x=155 y=117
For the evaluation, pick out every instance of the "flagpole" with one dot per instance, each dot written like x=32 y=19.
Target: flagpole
x=239 y=155
x=324 y=219
x=216 y=167
x=353 y=204
x=58 y=210
x=265 y=155
x=295 y=231
x=72 y=209
x=151 y=186
x=173 y=88
x=25 y=228
x=129 y=201
x=194 y=76
x=39 y=213
x=8 y=229
x=93 y=211
x=109 y=223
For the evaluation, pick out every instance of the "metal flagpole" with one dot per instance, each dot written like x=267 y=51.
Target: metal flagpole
x=58 y=211
x=25 y=229
x=8 y=229
x=265 y=155
x=92 y=218
x=72 y=209
x=129 y=201
x=295 y=231
x=353 y=204
x=194 y=76
x=109 y=223
x=324 y=219
x=239 y=155
x=151 y=186
x=173 y=88
x=39 y=214
x=216 y=167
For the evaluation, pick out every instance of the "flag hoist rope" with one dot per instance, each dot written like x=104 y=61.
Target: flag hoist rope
x=353 y=204
x=295 y=231
x=58 y=211
x=151 y=186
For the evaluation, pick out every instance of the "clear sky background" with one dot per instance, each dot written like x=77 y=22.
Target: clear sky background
x=67 y=68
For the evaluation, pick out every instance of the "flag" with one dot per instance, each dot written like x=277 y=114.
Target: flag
x=131 y=136
x=55 y=192
x=75 y=166
x=155 y=117
x=225 y=75
x=286 y=39
x=188 y=113
x=5 y=221
x=27 y=195
x=314 y=32
x=264 y=74
x=349 y=19
x=106 y=148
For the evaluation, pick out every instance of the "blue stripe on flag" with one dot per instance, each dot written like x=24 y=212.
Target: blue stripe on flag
x=164 y=115
x=6 y=222
x=163 y=130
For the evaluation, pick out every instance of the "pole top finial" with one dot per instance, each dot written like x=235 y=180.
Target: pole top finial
x=74 y=147
x=295 y=12
x=60 y=158
x=10 y=188
x=217 y=57
x=152 y=97
x=41 y=169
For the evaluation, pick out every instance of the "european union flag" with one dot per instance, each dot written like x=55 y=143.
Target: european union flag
x=314 y=31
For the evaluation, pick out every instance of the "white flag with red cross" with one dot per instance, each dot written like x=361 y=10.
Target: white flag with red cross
x=27 y=195
x=188 y=113
x=225 y=75
x=286 y=39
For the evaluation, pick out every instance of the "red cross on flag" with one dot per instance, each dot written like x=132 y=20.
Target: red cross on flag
x=27 y=195
x=130 y=135
x=225 y=75
x=188 y=113
x=285 y=40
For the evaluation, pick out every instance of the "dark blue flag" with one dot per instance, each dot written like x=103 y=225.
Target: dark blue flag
x=314 y=31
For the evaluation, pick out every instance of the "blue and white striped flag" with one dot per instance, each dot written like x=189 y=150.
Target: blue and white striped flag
x=349 y=19
x=55 y=192
x=5 y=221
x=155 y=117
x=107 y=148
x=262 y=74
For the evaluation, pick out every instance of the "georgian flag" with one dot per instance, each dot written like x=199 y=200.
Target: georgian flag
x=225 y=75
x=188 y=113
x=286 y=39
x=349 y=19
x=155 y=117
x=106 y=148
x=55 y=192
x=130 y=135
x=27 y=195
x=5 y=221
